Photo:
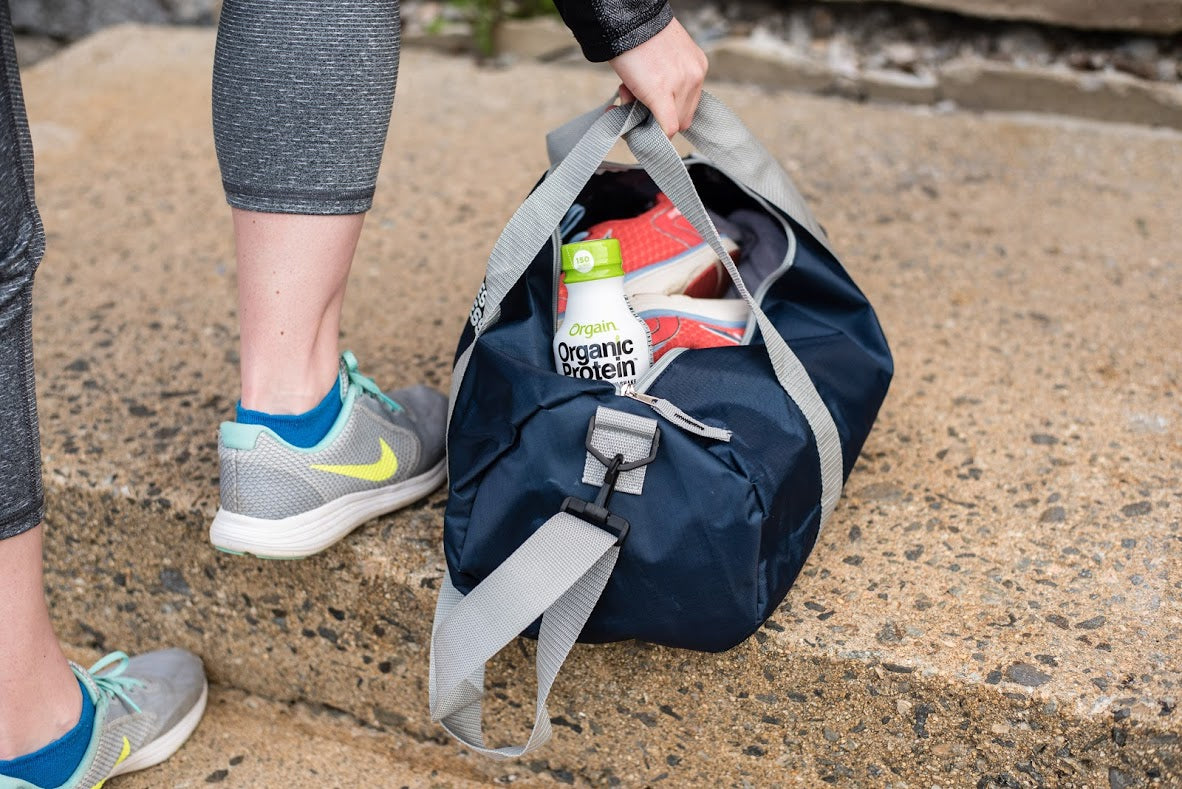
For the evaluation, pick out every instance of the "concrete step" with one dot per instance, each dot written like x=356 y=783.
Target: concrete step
x=248 y=741
x=996 y=598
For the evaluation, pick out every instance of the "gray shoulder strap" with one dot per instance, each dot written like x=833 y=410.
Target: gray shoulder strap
x=558 y=574
x=653 y=150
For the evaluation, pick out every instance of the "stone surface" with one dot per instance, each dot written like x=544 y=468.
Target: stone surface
x=245 y=741
x=971 y=82
x=895 y=87
x=1025 y=272
x=73 y=19
x=248 y=741
x=768 y=63
x=912 y=40
x=1154 y=16
x=1111 y=97
x=543 y=38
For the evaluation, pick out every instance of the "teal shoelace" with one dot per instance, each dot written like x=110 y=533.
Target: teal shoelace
x=112 y=682
x=366 y=383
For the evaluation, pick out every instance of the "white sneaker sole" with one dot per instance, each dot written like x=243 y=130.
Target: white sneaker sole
x=303 y=535
x=167 y=743
x=722 y=312
x=675 y=275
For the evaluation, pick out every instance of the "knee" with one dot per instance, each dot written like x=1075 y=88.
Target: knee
x=21 y=253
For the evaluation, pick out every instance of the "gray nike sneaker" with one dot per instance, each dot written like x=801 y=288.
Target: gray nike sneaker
x=280 y=501
x=145 y=708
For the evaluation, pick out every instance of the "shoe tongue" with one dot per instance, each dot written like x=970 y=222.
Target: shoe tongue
x=343 y=380
x=87 y=681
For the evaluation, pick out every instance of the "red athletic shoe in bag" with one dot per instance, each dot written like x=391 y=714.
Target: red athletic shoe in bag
x=663 y=254
x=686 y=322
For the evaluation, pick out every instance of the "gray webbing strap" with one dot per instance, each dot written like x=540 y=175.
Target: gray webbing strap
x=561 y=141
x=721 y=137
x=624 y=433
x=534 y=221
x=659 y=158
x=560 y=571
x=558 y=574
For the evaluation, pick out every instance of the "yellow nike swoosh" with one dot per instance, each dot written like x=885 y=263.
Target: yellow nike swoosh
x=380 y=470
x=122 y=757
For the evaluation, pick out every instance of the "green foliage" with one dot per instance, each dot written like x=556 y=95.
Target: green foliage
x=524 y=9
x=485 y=15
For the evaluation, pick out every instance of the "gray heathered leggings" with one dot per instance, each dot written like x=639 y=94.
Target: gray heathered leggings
x=22 y=242
x=302 y=92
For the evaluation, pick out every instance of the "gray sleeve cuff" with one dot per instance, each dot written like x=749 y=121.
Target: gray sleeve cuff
x=643 y=31
x=607 y=28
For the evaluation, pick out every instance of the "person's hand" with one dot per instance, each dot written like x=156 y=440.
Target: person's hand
x=665 y=73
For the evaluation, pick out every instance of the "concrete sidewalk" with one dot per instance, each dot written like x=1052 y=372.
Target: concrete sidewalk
x=997 y=597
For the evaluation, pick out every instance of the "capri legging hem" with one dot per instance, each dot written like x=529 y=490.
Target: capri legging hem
x=292 y=201
x=302 y=94
x=21 y=522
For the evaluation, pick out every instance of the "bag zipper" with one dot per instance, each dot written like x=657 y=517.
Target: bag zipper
x=678 y=417
x=639 y=392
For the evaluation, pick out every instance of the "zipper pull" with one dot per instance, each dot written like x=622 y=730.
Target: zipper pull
x=676 y=415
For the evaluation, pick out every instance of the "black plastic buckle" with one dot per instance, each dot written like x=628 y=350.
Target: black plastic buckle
x=596 y=512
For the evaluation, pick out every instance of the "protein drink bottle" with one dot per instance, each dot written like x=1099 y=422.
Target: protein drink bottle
x=600 y=338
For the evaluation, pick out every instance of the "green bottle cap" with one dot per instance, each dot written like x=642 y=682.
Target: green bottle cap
x=590 y=260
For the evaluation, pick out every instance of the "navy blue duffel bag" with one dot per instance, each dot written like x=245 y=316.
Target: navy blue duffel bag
x=680 y=511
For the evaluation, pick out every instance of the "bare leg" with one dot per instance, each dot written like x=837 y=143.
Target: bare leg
x=292 y=270
x=302 y=94
x=39 y=697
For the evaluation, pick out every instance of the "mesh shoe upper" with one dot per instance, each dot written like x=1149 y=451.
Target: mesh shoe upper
x=662 y=253
x=136 y=701
x=376 y=441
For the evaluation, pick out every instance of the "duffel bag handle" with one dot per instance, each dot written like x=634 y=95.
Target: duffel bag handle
x=533 y=224
x=659 y=158
x=719 y=135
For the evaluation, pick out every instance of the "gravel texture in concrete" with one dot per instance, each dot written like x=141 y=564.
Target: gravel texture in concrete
x=247 y=741
x=996 y=597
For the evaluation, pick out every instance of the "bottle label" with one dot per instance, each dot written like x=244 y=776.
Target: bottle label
x=611 y=360
x=591 y=329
